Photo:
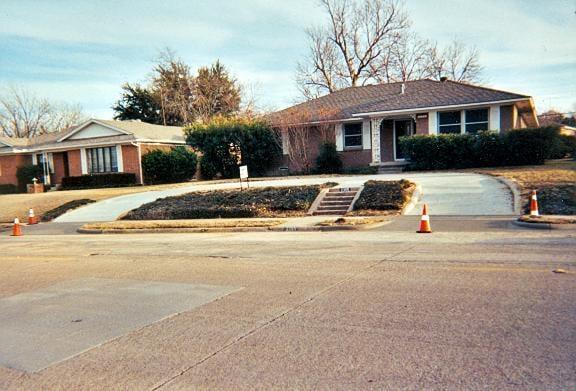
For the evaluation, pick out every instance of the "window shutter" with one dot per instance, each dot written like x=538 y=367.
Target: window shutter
x=366 y=139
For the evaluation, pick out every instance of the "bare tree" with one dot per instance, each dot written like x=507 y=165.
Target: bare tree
x=369 y=41
x=22 y=114
x=456 y=62
x=344 y=53
x=298 y=129
x=173 y=86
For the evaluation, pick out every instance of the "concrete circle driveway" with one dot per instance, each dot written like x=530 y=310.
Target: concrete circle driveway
x=445 y=193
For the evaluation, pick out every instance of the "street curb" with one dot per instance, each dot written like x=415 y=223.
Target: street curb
x=546 y=226
x=516 y=196
x=233 y=229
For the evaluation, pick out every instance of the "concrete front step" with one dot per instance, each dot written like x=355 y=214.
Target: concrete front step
x=328 y=212
x=345 y=190
x=323 y=208
x=340 y=198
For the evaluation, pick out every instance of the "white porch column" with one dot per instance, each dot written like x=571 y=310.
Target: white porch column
x=376 y=155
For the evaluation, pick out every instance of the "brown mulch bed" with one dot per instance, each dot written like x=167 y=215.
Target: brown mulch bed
x=383 y=198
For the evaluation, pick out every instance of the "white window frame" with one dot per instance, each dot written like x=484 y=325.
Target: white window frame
x=487 y=122
x=361 y=135
x=439 y=126
x=463 y=122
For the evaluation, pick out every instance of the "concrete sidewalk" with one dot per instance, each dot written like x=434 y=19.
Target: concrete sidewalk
x=446 y=194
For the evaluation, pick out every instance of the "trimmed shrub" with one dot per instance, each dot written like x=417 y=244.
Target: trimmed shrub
x=368 y=170
x=265 y=202
x=328 y=160
x=26 y=174
x=517 y=147
x=227 y=143
x=177 y=165
x=119 y=179
x=8 y=189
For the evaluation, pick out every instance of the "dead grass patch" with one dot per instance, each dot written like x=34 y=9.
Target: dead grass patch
x=352 y=221
x=555 y=183
x=175 y=224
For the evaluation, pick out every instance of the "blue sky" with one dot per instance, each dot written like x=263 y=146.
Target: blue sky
x=82 y=51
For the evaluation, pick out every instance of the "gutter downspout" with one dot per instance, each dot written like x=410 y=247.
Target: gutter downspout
x=137 y=145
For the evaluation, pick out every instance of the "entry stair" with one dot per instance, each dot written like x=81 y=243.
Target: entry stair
x=337 y=201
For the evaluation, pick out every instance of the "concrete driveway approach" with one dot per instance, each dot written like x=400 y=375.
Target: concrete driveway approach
x=445 y=193
x=340 y=310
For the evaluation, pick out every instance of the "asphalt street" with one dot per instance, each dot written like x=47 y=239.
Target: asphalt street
x=372 y=310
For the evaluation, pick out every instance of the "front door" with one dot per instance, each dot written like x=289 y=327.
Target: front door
x=402 y=128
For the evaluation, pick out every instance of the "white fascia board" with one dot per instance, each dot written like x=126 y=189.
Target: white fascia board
x=419 y=109
x=148 y=141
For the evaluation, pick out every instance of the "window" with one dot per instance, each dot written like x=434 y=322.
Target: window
x=353 y=135
x=449 y=122
x=476 y=120
x=40 y=162
x=102 y=160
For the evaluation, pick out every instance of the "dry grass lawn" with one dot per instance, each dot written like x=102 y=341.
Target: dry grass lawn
x=17 y=205
x=555 y=183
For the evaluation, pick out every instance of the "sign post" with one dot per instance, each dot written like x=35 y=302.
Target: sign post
x=244 y=175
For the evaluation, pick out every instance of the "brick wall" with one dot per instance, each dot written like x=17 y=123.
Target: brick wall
x=9 y=165
x=145 y=148
x=357 y=158
x=131 y=160
x=74 y=162
x=506 y=118
x=422 y=125
x=59 y=169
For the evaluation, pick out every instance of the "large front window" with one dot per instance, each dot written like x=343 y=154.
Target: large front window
x=476 y=120
x=353 y=135
x=102 y=160
x=449 y=122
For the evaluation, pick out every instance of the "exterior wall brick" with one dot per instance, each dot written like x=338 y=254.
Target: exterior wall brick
x=145 y=148
x=358 y=158
x=9 y=165
x=422 y=125
x=131 y=160
x=74 y=162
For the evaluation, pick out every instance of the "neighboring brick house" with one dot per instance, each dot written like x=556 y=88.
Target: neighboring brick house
x=96 y=146
x=368 y=120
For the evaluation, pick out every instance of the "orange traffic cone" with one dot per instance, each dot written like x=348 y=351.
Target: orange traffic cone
x=16 y=230
x=534 y=205
x=425 y=222
x=31 y=218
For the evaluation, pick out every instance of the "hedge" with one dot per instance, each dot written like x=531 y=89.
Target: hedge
x=98 y=181
x=227 y=143
x=264 y=202
x=177 y=165
x=8 y=189
x=516 y=147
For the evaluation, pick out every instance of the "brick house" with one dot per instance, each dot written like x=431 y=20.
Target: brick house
x=96 y=146
x=369 y=120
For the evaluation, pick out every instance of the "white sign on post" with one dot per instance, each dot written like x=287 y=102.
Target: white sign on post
x=243 y=172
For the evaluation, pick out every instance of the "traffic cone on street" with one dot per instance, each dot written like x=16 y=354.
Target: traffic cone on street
x=31 y=218
x=16 y=230
x=425 y=222
x=534 y=205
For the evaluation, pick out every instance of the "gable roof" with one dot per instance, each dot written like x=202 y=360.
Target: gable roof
x=129 y=131
x=418 y=94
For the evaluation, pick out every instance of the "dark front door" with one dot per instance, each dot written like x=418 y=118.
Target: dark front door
x=401 y=128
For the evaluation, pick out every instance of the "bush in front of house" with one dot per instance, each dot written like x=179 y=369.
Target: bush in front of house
x=93 y=181
x=26 y=174
x=516 y=147
x=8 y=189
x=264 y=202
x=384 y=195
x=226 y=143
x=328 y=160
x=177 y=165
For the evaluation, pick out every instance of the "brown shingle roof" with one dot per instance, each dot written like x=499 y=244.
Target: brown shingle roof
x=388 y=97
